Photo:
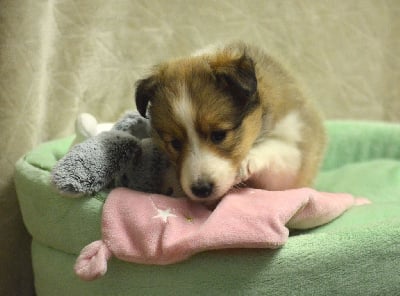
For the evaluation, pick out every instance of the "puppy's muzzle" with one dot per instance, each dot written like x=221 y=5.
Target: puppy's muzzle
x=202 y=189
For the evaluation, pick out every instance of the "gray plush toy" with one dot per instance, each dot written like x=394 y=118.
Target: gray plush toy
x=124 y=156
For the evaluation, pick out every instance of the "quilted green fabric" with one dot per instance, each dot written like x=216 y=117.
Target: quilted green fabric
x=356 y=254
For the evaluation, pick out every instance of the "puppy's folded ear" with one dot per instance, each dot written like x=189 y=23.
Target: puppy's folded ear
x=238 y=78
x=145 y=91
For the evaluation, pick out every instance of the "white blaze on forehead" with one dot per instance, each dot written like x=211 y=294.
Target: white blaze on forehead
x=185 y=114
x=200 y=161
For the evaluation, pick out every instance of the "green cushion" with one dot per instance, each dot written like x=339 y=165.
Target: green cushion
x=357 y=253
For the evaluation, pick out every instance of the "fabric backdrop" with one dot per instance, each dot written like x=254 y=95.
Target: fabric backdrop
x=62 y=57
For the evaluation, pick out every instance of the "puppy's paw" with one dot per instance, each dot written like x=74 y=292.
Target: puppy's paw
x=247 y=169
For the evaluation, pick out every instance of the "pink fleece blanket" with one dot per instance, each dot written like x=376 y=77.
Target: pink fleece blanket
x=155 y=229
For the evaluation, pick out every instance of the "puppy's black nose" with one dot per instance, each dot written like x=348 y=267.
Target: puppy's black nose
x=202 y=189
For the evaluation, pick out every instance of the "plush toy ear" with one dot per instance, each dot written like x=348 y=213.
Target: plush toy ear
x=145 y=91
x=238 y=78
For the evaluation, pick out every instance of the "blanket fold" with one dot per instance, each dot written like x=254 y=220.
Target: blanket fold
x=155 y=229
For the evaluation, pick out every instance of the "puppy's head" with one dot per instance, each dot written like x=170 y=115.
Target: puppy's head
x=205 y=113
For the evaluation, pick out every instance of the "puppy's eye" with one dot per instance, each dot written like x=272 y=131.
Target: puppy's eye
x=176 y=144
x=217 y=136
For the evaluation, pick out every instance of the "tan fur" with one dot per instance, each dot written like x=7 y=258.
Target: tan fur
x=206 y=81
x=280 y=94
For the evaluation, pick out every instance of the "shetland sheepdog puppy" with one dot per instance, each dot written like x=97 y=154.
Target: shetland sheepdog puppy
x=232 y=115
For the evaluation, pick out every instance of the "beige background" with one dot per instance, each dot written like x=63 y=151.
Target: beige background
x=62 y=57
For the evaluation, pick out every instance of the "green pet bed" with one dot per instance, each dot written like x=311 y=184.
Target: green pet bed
x=356 y=254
